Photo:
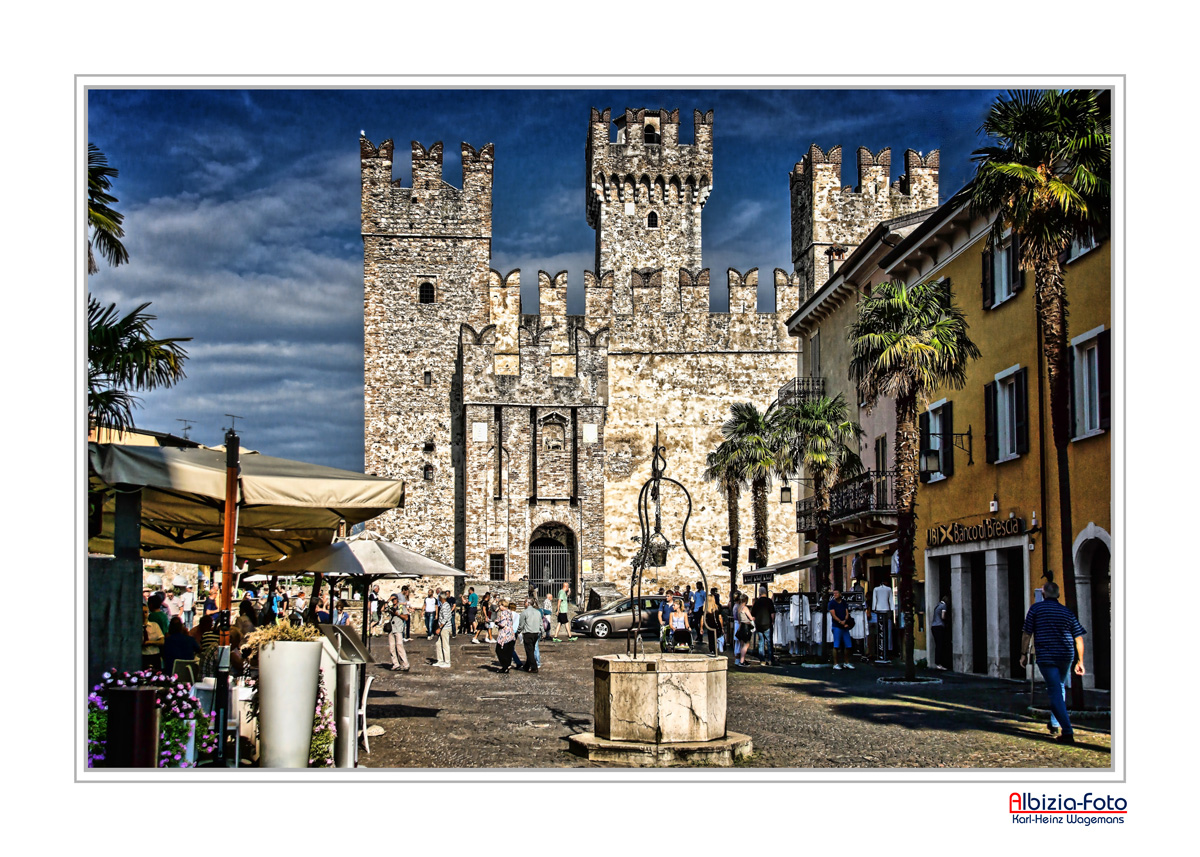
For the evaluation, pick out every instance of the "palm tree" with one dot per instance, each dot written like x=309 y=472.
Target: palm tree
x=103 y=222
x=907 y=342
x=722 y=467
x=821 y=438
x=1046 y=179
x=123 y=356
x=754 y=446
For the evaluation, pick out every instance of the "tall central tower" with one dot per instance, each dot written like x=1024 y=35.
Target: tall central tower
x=645 y=194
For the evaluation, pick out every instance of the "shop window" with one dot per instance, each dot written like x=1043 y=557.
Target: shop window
x=1006 y=407
x=428 y=293
x=496 y=567
x=1091 y=382
x=1002 y=275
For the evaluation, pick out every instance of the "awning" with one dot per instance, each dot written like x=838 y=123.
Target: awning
x=284 y=507
x=810 y=559
x=364 y=555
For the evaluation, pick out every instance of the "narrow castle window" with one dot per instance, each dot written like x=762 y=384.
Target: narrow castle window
x=652 y=220
x=428 y=378
x=428 y=472
x=652 y=135
x=427 y=293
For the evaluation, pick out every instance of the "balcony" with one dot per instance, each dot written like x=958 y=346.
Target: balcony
x=801 y=389
x=870 y=495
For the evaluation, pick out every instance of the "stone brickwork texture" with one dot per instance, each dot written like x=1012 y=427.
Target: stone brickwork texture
x=509 y=425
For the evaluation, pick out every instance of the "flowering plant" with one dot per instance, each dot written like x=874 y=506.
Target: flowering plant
x=178 y=710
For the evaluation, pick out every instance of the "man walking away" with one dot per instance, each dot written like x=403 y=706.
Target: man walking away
x=839 y=613
x=393 y=626
x=1057 y=636
x=763 y=612
x=529 y=627
x=444 y=617
x=941 y=633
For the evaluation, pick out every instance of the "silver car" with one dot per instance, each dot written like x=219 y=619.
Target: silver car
x=617 y=618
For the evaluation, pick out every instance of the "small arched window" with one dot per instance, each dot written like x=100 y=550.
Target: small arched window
x=652 y=220
x=652 y=134
x=427 y=293
x=428 y=472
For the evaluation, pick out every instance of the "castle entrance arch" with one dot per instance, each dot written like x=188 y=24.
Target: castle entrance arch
x=552 y=560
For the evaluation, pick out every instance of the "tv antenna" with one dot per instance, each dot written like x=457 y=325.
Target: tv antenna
x=187 y=426
x=234 y=418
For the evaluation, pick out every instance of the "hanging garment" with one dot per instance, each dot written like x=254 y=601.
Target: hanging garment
x=859 y=631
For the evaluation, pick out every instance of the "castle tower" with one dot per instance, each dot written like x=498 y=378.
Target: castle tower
x=645 y=193
x=426 y=255
x=829 y=221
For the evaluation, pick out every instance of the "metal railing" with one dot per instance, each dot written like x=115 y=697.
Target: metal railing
x=800 y=389
x=872 y=491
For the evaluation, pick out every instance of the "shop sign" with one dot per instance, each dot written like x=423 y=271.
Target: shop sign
x=752 y=577
x=988 y=528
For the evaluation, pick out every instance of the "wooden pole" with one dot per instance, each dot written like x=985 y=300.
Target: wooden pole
x=232 y=450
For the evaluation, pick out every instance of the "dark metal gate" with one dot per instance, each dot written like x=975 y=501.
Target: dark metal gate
x=549 y=566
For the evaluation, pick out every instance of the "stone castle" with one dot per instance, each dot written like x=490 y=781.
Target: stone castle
x=525 y=437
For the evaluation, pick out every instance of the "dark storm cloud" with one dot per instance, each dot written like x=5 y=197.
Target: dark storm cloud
x=242 y=218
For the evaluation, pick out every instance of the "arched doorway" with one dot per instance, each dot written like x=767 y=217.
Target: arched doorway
x=552 y=559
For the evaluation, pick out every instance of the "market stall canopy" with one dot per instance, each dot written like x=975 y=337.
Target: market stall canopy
x=284 y=507
x=366 y=554
x=883 y=540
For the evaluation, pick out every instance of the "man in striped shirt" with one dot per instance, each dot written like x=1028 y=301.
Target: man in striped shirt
x=1058 y=637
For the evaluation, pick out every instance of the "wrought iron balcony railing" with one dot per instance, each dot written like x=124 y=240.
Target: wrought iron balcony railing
x=872 y=492
x=799 y=389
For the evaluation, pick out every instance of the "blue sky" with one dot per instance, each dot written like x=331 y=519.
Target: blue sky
x=242 y=217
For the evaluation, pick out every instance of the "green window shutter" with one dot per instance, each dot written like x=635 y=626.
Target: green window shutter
x=989 y=288
x=989 y=431
x=923 y=423
x=1022 y=391
x=948 y=439
x=1104 y=382
x=1016 y=277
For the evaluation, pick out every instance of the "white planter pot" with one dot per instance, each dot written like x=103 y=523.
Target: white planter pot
x=189 y=753
x=288 y=673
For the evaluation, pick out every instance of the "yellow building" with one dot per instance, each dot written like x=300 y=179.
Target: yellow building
x=987 y=507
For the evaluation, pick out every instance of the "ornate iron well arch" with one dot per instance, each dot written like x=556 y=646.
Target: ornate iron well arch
x=653 y=544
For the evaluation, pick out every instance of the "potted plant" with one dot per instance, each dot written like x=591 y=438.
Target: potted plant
x=289 y=662
x=187 y=729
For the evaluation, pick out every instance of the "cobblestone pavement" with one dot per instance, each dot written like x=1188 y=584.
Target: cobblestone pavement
x=470 y=716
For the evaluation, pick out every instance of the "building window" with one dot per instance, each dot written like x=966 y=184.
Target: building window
x=652 y=135
x=428 y=294
x=1079 y=246
x=814 y=355
x=937 y=441
x=496 y=566
x=428 y=472
x=881 y=452
x=1006 y=406
x=1002 y=276
x=1091 y=381
x=428 y=379
x=652 y=220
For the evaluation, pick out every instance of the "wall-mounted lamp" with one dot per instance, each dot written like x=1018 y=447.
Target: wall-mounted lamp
x=994 y=506
x=1033 y=516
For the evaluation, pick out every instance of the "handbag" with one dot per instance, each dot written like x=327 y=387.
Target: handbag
x=744 y=633
x=387 y=627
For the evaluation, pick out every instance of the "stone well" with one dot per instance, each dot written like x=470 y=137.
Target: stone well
x=660 y=709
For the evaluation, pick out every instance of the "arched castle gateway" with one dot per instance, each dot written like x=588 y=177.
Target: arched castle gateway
x=515 y=430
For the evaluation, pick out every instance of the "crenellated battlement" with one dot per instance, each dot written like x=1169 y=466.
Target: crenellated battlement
x=431 y=203
x=830 y=218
